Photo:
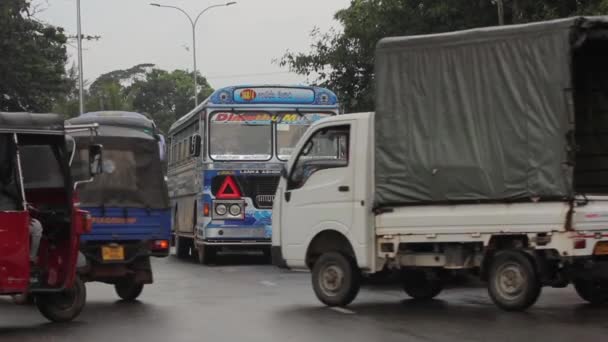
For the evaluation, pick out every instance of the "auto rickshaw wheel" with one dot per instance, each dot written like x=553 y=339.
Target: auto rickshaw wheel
x=23 y=299
x=128 y=290
x=63 y=306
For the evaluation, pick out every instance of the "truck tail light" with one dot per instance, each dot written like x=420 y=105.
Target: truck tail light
x=160 y=245
x=580 y=244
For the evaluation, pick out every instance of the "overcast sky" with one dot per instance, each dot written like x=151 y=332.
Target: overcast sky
x=235 y=44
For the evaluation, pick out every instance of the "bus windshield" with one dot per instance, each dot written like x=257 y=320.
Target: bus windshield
x=290 y=128
x=240 y=136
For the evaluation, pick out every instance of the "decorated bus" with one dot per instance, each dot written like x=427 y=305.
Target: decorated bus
x=224 y=162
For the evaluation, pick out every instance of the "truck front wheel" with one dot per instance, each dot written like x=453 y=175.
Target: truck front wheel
x=336 y=279
x=421 y=284
x=513 y=283
x=63 y=306
x=594 y=292
x=128 y=290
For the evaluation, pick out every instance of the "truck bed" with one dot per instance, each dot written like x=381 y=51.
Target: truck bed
x=476 y=219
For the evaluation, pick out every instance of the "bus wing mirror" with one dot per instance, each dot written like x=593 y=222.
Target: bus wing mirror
x=95 y=159
x=195 y=145
x=284 y=172
x=162 y=147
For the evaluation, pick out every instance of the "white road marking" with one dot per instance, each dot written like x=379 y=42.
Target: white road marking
x=268 y=283
x=342 y=310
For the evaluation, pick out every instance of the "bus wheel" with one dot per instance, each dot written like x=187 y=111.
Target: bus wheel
x=63 y=306
x=128 y=289
x=513 y=283
x=592 y=291
x=206 y=254
x=336 y=279
x=421 y=284
x=182 y=247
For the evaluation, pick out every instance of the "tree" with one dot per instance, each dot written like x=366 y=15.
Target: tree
x=167 y=96
x=344 y=60
x=164 y=96
x=32 y=60
x=69 y=104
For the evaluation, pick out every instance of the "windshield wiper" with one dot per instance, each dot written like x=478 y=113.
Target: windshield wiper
x=302 y=115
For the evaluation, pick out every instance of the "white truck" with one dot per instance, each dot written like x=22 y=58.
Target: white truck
x=487 y=153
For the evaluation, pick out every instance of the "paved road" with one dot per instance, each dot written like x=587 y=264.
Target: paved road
x=257 y=302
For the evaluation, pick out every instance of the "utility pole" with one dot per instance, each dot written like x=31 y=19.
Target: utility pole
x=80 y=68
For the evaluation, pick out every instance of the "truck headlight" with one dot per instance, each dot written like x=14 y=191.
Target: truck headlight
x=235 y=210
x=221 y=209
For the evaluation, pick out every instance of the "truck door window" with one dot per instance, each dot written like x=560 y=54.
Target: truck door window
x=326 y=149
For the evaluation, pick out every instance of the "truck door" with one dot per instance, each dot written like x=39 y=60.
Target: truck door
x=319 y=190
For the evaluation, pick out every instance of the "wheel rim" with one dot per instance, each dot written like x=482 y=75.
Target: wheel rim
x=331 y=280
x=511 y=281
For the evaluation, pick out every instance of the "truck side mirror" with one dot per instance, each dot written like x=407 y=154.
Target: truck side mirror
x=195 y=145
x=95 y=159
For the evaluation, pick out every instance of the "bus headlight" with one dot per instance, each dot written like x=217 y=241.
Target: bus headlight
x=221 y=209
x=235 y=210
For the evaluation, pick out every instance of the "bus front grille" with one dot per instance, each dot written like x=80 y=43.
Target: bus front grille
x=260 y=188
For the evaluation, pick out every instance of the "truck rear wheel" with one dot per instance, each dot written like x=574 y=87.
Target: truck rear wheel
x=63 y=306
x=594 y=292
x=336 y=279
x=513 y=283
x=421 y=284
x=128 y=290
x=182 y=247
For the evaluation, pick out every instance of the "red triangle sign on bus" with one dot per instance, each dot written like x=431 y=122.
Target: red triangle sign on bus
x=229 y=190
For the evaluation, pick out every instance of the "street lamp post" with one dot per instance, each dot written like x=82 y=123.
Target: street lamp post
x=193 y=23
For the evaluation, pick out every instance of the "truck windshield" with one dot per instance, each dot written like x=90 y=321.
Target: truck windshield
x=240 y=136
x=290 y=128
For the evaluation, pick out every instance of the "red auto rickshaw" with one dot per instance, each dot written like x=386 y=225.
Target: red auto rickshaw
x=40 y=222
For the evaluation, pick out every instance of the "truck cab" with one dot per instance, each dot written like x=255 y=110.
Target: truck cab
x=325 y=197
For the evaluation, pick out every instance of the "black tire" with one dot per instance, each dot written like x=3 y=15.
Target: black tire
x=128 y=290
x=592 y=291
x=422 y=284
x=336 y=279
x=182 y=247
x=513 y=282
x=206 y=254
x=267 y=253
x=63 y=306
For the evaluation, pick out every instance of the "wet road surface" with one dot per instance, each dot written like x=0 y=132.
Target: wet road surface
x=257 y=302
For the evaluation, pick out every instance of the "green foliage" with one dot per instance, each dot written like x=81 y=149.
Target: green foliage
x=32 y=60
x=163 y=95
x=343 y=60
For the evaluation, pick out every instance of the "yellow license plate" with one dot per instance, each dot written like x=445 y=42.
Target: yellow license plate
x=112 y=253
x=601 y=248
